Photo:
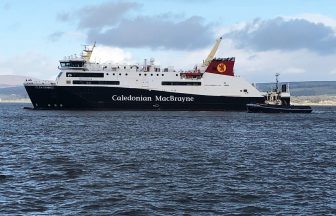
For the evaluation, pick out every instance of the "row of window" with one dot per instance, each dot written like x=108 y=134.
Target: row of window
x=136 y=67
x=145 y=74
x=102 y=74
x=85 y=74
x=182 y=83
x=85 y=82
x=95 y=82
x=72 y=64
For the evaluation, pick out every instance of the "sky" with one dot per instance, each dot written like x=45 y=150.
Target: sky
x=296 y=38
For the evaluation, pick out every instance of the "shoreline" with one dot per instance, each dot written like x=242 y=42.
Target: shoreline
x=320 y=100
x=15 y=101
x=313 y=104
x=293 y=103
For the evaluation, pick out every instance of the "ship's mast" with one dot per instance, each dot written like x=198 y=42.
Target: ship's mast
x=87 y=52
x=277 y=82
x=212 y=52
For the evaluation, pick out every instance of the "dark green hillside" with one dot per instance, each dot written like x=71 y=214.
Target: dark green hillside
x=312 y=88
x=13 y=93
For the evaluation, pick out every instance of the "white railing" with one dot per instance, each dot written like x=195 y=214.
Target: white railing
x=40 y=82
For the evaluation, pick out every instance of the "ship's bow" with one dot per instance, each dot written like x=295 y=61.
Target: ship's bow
x=42 y=94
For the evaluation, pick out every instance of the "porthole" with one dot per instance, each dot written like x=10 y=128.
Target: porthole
x=151 y=74
x=176 y=74
x=162 y=74
x=126 y=74
x=139 y=74
x=119 y=74
x=113 y=74
x=145 y=74
x=157 y=74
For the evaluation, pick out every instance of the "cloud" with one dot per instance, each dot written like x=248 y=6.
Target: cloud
x=108 y=25
x=316 y=18
x=294 y=70
x=105 y=54
x=56 y=36
x=286 y=35
x=333 y=71
x=261 y=66
x=104 y=14
x=99 y=16
x=156 y=33
x=63 y=16
x=6 y=6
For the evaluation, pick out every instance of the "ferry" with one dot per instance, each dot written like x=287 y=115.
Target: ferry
x=84 y=84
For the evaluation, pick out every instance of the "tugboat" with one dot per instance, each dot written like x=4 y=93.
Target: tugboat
x=277 y=101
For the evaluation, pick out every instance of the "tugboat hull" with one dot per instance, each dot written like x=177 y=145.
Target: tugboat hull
x=268 y=108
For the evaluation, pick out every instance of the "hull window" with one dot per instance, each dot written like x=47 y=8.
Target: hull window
x=85 y=74
x=182 y=83
x=90 y=82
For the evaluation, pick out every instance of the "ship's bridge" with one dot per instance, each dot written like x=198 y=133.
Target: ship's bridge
x=73 y=64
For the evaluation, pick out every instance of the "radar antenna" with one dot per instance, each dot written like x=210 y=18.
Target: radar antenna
x=212 y=52
x=87 y=52
x=277 y=81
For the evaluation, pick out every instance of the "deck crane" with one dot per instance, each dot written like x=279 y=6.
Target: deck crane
x=211 y=55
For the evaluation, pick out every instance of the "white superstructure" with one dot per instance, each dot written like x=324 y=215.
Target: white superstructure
x=209 y=85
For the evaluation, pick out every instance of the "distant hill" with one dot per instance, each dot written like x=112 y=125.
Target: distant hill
x=12 y=80
x=309 y=88
x=11 y=87
x=13 y=93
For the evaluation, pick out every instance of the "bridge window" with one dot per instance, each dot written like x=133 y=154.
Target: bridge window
x=72 y=64
x=85 y=74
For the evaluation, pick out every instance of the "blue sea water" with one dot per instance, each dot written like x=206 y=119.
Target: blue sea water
x=166 y=163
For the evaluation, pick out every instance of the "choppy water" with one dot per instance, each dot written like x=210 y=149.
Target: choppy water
x=166 y=163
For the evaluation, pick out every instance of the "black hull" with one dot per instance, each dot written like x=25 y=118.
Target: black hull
x=267 y=108
x=106 y=98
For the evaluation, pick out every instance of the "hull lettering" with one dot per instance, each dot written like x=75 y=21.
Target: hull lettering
x=159 y=98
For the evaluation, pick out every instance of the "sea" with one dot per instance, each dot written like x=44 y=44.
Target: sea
x=166 y=163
